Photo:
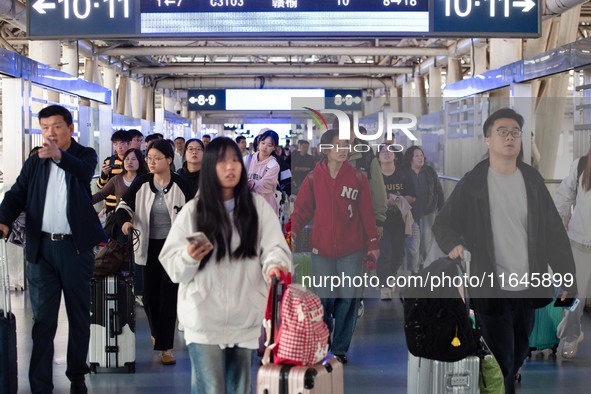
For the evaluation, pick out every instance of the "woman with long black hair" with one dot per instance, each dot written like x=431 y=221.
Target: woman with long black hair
x=223 y=288
x=429 y=201
x=134 y=165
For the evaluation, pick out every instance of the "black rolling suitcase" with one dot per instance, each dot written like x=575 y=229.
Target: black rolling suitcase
x=8 y=366
x=112 y=321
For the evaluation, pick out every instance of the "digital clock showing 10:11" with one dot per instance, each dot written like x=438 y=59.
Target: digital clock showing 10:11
x=81 y=18
x=515 y=17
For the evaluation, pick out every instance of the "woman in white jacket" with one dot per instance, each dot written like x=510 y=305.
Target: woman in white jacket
x=222 y=291
x=151 y=205
x=576 y=189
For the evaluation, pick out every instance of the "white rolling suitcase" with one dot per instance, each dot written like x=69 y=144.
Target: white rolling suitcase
x=427 y=376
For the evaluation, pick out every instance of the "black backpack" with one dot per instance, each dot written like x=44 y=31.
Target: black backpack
x=436 y=323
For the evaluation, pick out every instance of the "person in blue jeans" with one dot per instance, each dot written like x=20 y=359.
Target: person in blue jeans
x=337 y=196
x=429 y=200
x=223 y=278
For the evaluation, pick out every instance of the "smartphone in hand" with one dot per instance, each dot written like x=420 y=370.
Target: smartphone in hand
x=197 y=238
x=568 y=303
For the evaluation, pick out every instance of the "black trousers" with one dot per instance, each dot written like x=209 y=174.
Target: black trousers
x=507 y=335
x=160 y=298
x=61 y=268
x=391 y=246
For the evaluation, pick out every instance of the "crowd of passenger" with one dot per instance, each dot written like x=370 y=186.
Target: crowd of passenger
x=366 y=210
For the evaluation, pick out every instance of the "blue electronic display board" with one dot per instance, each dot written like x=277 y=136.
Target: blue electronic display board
x=281 y=19
x=343 y=99
x=81 y=18
x=486 y=17
x=206 y=99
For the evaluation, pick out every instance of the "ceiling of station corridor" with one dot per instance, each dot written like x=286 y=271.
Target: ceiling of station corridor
x=370 y=58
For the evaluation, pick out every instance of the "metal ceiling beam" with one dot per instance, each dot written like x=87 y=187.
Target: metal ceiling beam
x=273 y=51
x=557 y=7
x=273 y=69
x=260 y=82
x=14 y=12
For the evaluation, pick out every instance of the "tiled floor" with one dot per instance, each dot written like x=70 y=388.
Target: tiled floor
x=377 y=359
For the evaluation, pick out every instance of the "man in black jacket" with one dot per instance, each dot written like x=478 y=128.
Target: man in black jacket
x=62 y=229
x=503 y=214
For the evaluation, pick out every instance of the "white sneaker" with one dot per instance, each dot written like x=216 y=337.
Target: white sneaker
x=361 y=310
x=139 y=300
x=181 y=327
x=569 y=350
x=385 y=294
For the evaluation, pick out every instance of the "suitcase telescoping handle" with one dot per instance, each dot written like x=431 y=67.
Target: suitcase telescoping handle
x=133 y=239
x=115 y=323
x=274 y=286
x=5 y=277
x=466 y=262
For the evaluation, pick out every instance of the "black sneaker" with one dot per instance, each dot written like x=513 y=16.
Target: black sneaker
x=342 y=358
x=78 y=387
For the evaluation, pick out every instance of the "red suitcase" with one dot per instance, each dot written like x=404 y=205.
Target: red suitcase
x=325 y=377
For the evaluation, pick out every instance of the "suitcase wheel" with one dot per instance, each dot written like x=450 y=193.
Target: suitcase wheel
x=130 y=367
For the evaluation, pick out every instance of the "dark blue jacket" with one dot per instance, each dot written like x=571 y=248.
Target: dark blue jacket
x=28 y=193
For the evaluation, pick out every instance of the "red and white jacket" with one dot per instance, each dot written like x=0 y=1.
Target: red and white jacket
x=344 y=221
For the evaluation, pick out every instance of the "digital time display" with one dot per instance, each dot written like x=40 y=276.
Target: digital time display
x=344 y=99
x=518 y=17
x=81 y=18
x=206 y=99
x=281 y=19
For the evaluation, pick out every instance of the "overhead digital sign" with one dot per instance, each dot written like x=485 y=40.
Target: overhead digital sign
x=206 y=99
x=485 y=17
x=344 y=99
x=281 y=18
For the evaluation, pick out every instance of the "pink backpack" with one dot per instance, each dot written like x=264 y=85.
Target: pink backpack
x=302 y=338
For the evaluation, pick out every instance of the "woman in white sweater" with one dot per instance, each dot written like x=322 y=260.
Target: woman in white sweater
x=575 y=190
x=223 y=281
x=151 y=205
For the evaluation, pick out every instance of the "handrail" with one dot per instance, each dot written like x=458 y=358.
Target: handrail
x=449 y=178
x=455 y=179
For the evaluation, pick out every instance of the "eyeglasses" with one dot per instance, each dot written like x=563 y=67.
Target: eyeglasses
x=154 y=159
x=503 y=132
x=194 y=150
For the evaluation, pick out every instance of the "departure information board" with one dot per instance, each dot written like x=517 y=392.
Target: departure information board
x=281 y=18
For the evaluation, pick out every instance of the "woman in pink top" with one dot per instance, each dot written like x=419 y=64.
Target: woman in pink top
x=263 y=168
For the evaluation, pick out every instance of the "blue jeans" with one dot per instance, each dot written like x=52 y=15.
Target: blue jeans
x=219 y=371
x=507 y=335
x=569 y=328
x=342 y=303
x=60 y=269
